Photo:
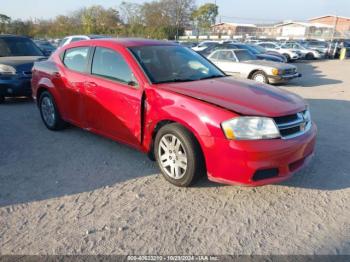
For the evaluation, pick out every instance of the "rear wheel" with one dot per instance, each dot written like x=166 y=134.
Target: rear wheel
x=49 y=112
x=178 y=155
x=260 y=77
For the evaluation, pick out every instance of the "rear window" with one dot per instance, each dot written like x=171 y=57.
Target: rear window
x=18 y=46
x=76 y=58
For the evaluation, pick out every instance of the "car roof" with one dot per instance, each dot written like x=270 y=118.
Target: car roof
x=129 y=42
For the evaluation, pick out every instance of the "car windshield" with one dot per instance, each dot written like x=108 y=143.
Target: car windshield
x=258 y=48
x=174 y=63
x=18 y=46
x=251 y=49
x=244 y=55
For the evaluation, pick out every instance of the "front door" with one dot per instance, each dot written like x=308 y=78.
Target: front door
x=112 y=97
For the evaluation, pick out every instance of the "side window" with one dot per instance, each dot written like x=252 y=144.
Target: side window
x=226 y=55
x=215 y=55
x=76 y=58
x=109 y=64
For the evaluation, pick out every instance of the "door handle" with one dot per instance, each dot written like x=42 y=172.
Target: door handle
x=56 y=74
x=90 y=84
x=90 y=88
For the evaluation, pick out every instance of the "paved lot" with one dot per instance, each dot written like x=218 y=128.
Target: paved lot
x=73 y=192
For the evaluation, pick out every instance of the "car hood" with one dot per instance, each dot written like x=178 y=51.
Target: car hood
x=266 y=56
x=244 y=97
x=21 y=63
x=271 y=64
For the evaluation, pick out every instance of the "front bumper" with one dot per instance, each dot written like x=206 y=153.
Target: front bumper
x=11 y=86
x=283 y=78
x=238 y=162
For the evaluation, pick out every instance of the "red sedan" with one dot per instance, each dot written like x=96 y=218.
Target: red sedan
x=180 y=109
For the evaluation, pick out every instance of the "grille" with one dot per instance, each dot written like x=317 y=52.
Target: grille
x=293 y=125
x=289 y=71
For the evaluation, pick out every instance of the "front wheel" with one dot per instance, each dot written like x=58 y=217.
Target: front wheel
x=49 y=112
x=310 y=56
x=260 y=77
x=178 y=155
x=287 y=57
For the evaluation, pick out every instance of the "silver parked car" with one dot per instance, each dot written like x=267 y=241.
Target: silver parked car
x=241 y=63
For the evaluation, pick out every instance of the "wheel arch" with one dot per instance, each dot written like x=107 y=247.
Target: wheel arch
x=165 y=122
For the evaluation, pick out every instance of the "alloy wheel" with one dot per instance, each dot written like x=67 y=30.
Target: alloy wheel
x=48 y=111
x=172 y=156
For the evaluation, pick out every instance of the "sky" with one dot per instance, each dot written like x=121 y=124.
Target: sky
x=248 y=11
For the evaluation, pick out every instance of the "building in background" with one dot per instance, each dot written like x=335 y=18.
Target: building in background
x=302 y=30
x=341 y=24
x=234 y=30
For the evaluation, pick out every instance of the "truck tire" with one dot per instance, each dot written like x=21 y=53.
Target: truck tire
x=49 y=113
x=178 y=155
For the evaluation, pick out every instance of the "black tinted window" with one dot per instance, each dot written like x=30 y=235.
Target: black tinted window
x=108 y=63
x=18 y=46
x=76 y=58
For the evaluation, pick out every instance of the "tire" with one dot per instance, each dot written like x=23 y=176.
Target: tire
x=49 y=113
x=310 y=56
x=170 y=158
x=260 y=76
x=287 y=57
x=2 y=99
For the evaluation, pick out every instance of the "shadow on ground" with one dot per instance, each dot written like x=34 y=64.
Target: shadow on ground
x=312 y=75
x=37 y=164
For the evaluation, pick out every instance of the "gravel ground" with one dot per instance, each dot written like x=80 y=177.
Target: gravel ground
x=73 y=192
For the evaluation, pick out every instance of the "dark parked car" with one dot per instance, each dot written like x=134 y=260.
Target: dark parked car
x=17 y=56
x=45 y=46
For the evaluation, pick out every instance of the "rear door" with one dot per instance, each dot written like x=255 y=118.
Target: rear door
x=112 y=97
x=72 y=73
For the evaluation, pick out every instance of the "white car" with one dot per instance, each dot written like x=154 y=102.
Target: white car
x=291 y=55
x=75 y=38
x=307 y=53
x=243 y=64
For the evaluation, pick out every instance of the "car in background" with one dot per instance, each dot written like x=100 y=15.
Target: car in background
x=206 y=52
x=262 y=50
x=45 y=46
x=204 y=45
x=188 y=44
x=243 y=64
x=321 y=46
x=307 y=53
x=173 y=104
x=75 y=38
x=290 y=55
x=17 y=56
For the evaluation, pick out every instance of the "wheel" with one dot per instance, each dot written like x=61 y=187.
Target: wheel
x=287 y=57
x=49 y=112
x=178 y=155
x=310 y=56
x=260 y=77
x=2 y=99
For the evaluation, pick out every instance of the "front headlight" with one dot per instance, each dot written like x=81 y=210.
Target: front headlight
x=275 y=71
x=250 y=128
x=7 y=70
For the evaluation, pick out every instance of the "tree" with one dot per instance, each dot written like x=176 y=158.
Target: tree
x=205 y=16
x=4 y=21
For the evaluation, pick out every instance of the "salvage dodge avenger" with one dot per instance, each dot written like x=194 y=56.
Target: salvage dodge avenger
x=179 y=108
